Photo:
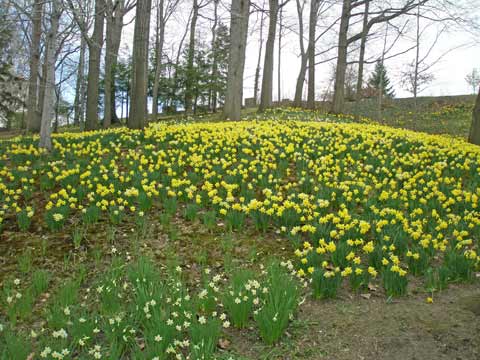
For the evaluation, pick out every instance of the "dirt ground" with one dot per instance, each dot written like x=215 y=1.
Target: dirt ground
x=359 y=328
x=363 y=326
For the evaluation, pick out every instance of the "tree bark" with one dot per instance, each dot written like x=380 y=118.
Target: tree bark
x=267 y=78
x=213 y=89
x=138 y=112
x=279 y=67
x=32 y=116
x=474 y=136
x=260 y=45
x=159 y=41
x=190 y=58
x=236 y=61
x=114 y=14
x=339 y=88
x=297 y=100
x=79 y=87
x=93 y=79
x=417 y=63
x=361 y=58
x=311 y=53
x=48 y=112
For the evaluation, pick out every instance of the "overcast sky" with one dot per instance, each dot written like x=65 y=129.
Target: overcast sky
x=458 y=50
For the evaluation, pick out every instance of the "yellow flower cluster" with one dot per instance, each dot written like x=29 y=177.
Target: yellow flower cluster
x=362 y=196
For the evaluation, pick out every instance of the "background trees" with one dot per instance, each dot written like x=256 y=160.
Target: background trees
x=201 y=51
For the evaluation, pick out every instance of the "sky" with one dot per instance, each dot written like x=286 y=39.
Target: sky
x=456 y=53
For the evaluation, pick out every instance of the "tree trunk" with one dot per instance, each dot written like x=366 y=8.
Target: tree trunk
x=49 y=99
x=236 y=61
x=297 y=100
x=474 y=136
x=79 y=87
x=114 y=15
x=279 y=67
x=339 y=87
x=361 y=58
x=267 y=78
x=190 y=58
x=260 y=45
x=32 y=118
x=213 y=87
x=380 y=92
x=173 y=89
x=159 y=41
x=417 y=64
x=311 y=53
x=93 y=79
x=138 y=112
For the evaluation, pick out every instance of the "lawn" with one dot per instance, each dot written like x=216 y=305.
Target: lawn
x=304 y=236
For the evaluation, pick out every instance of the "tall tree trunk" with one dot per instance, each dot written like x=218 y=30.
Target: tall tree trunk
x=114 y=14
x=48 y=112
x=380 y=90
x=32 y=116
x=93 y=79
x=474 y=136
x=260 y=46
x=339 y=87
x=138 y=113
x=297 y=100
x=159 y=41
x=311 y=53
x=236 y=60
x=41 y=91
x=213 y=88
x=267 y=78
x=79 y=87
x=173 y=89
x=190 y=58
x=417 y=64
x=279 y=67
x=361 y=58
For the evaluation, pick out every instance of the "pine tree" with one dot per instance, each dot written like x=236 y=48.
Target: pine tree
x=379 y=80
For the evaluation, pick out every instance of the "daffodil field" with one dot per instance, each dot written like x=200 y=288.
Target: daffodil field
x=359 y=205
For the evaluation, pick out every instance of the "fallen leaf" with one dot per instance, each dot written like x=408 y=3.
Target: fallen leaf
x=366 y=296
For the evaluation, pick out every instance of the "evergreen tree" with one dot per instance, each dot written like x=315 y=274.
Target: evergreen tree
x=379 y=80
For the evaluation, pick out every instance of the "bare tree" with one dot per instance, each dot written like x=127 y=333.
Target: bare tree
x=165 y=9
x=267 y=78
x=197 y=6
x=48 y=112
x=363 y=44
x=115 y=11
x=279 y=65
x=240 y=13
x=33 y=123
x=383 y=15
x=314 y=7
x=260 y=46
x=138 y=114
x=297 y=101
x=78 y=103
x=95 y=45
x=473 y=79
x=474 y=136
